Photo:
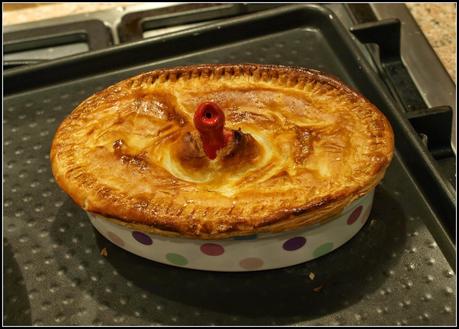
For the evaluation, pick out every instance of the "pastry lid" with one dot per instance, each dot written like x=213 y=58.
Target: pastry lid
x=302 y=147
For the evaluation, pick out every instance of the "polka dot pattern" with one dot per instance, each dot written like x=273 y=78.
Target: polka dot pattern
x=115 y=238
x=294 y=243
x=176 y=259
x=251 y=263
x=323 y=249
x=142 y=238
x=354 y=215
x=212 y=249
x=239 y=254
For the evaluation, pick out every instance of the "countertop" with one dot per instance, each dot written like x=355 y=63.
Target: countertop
x=436 y=20
x=438 y=23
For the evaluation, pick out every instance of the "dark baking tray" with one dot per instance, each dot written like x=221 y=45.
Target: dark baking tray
x=398 y=270
x=92 y=32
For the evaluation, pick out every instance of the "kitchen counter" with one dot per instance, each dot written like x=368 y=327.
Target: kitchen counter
x=437 y=21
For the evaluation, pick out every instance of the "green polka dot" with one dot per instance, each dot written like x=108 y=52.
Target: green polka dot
x=176 y=259
x=323 y=249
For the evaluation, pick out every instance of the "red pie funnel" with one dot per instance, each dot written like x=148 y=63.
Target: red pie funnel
x=209 y=120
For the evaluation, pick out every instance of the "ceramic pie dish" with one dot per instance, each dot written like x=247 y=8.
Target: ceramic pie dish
x=225 y=167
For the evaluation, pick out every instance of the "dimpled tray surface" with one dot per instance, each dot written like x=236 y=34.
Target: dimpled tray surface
x=59 y=270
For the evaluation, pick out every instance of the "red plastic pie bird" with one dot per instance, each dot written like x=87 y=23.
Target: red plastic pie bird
x=209 y=120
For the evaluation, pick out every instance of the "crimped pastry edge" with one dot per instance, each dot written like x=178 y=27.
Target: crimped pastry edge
x=319 y=217
x=284 y=219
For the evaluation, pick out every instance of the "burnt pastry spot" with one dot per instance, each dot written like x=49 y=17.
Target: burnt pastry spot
x=241 y=151
x=189 y=151
x=117 y=146
x=303 y=144
x=244 y=149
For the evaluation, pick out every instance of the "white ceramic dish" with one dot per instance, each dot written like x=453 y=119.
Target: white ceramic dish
x=250 y=253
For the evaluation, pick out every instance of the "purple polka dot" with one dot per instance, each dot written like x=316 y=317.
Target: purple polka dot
x=355 y=215
x=212 y=249
x=294 y=243
x=251 y=263
x=142 y=238
x=115 y=238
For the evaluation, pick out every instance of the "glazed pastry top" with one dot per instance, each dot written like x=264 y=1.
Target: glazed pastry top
x=304 y=146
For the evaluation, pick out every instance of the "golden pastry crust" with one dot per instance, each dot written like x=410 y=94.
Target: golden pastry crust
x=308 y=147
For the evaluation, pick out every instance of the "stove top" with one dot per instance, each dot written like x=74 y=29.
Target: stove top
x=45 y=62
x=411 y=83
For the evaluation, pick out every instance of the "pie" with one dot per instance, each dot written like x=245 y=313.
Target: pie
x=296 y=147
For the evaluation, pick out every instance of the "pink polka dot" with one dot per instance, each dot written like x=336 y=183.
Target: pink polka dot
x=115 y=238
x=355 y=215
x=251 y=263
x=212 y=249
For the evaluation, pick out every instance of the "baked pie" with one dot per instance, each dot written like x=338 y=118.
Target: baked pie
x=215 y=151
